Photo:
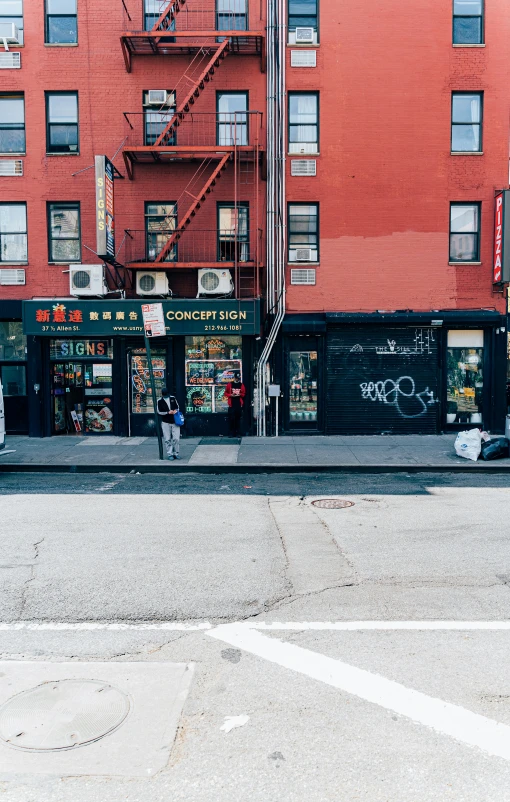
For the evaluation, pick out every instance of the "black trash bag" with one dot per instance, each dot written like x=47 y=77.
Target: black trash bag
x=497 y=448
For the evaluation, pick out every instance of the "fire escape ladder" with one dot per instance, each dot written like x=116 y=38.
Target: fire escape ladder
x=214 y=62
x=198 y=200
x=164 y=23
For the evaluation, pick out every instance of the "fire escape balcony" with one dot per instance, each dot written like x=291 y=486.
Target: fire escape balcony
x=183 y=31
x=169 y=136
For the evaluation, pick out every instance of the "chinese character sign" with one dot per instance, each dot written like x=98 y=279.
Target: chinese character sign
x=105 y=217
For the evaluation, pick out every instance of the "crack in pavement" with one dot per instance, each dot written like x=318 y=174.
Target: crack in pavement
x=24 y=592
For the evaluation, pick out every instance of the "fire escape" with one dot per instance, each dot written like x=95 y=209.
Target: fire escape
x=202 y=146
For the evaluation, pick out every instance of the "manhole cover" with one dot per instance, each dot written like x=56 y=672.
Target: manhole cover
x=332 y=503
x=62 y=714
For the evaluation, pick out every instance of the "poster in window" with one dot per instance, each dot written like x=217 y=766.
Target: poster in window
x=225 y=371
x=216 y=349
x=200 y=373
x=99 y=415
x=198 y=399
x=220 y=402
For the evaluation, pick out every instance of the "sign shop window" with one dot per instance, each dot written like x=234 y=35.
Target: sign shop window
x=467 y=122
x=302 y=14
x=61 y=22
x=12 y=123
x=303 y=232
x=233 y=233
x=465 y=376
x=141 y=393
x=232 y=124
x=62 y=122
x=160 y=222
x=12 y=11
x=64 y=349
x=464 y=232
x=13 y=342
x=13 y=379
x=302 y=386
x=231 y=15
x=64 y=232
x=211 y=363
x=467 y=22
x=13 y=232
x=303 y=122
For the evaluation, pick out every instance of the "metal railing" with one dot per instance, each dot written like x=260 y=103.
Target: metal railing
x=192 y=130
x=194 y=246
x=186 y=19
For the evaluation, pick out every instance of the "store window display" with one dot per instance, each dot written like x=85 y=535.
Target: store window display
x=211 y=363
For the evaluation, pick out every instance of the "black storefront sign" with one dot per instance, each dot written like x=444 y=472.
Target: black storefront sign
x=382 y=379
x=103 y=318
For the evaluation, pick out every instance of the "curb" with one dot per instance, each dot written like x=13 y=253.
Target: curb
x=253 y=469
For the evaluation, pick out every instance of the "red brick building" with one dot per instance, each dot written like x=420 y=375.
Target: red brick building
x=373 y=141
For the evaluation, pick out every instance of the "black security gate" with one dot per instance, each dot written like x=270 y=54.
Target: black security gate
x=382 y=380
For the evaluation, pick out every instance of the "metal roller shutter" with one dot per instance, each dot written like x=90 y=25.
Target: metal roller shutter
x=382 y=379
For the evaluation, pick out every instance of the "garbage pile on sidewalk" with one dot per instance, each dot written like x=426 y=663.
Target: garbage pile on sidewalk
x=474 y=444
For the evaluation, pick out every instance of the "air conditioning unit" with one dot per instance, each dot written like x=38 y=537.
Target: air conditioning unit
x=87 y=280
x=12 y=276
x=304 y=36
x=157 y=97
x=151 y=282
x=302 y=276
x=303 y=147
x=9 y=34
x=214 y=282
x=303 y=255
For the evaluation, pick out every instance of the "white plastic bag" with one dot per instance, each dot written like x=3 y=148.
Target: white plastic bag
x=469 y=444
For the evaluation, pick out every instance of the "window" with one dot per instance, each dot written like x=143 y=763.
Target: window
x=64 y=232
x=13 y=232
x=157 y=117
x=12 y=342
x=467 y=122
x=233 y=233
x=464 y=232
x=464 y=376
x=13 y=379
x=232 y=127
x=61 y=22
x=303 y=232
x=142 y=402
x=12 y=11
x=303 y=122
x=302 y=387
x=467 y=22
x=210 y=365
x=231 y=15
x=302 y=14
x=160 y=221
x=12 y=124
x=62 y=122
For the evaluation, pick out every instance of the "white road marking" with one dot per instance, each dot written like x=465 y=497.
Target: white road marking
x=470 y=728
x=289 y=626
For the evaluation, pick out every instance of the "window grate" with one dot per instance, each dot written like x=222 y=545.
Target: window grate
x=300 y=276
x=11 y=167
x=10 y=277
x=303 y=167
x=303 y=58
x=10 y=61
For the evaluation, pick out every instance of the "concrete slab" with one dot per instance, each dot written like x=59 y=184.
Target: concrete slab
x=214 y=455
x=141 y=745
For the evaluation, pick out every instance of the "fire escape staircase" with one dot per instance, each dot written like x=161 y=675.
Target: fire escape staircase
x=198 y=200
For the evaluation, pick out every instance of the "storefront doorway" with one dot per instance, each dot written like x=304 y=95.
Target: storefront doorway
x=141 y=403
x=81 y=389
x=465 y=377
x=303 y=384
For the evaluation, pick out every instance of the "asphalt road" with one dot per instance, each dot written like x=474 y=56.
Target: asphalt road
x=154 y=569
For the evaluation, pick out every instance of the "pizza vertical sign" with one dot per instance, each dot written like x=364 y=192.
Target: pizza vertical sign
x=501 y=267
x=105 y=215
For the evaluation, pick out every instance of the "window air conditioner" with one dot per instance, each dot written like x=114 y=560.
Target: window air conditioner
x=9 y=34
x=303 y=147
x=87 y=280
x=304 y=36
x=151 y=282
x=157 y=97
x=303 y=255
x=214 y=282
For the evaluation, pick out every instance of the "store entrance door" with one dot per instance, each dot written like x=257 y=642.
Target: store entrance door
x=82 y=400
x=141 y=411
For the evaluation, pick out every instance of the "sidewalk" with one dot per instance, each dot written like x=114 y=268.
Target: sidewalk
x=248 y=454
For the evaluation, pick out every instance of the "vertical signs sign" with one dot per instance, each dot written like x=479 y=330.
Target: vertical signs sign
x=105 y=217
x=501 y=267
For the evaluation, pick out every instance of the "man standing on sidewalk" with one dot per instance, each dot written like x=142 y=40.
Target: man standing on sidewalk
x=167 y=407
x=234 y=393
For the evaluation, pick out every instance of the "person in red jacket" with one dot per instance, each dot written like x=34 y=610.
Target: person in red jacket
x=235 y=392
